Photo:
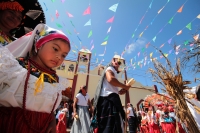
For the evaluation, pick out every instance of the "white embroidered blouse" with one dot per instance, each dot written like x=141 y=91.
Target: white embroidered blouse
x=12 y=80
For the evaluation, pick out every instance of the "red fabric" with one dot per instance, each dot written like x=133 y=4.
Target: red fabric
x=144 y=129
x=181 y=130
x=154 y=128
x=61 y=126
x=163 y=126
x=169 y=127
x=12 y=120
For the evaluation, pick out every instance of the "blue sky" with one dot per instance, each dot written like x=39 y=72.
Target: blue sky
x=131 y=17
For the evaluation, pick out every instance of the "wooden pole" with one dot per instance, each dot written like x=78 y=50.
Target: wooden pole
x=127 y=99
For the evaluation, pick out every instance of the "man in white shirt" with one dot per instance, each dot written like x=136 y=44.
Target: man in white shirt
x=109 y=108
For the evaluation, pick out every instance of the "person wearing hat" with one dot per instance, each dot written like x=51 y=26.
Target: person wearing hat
x=81 y=114
x=109 y=113
x=18 y=17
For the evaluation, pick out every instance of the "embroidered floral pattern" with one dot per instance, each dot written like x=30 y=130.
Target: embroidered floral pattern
x=34 y=71
x=4 y=39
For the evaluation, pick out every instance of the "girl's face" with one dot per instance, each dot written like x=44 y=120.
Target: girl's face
x=52 y=53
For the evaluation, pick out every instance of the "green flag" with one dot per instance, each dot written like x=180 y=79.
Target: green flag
x=170 y=21
x=58 y=25
x=189 y=26
x=133 y=35
x=90 y=34
x=106 y=38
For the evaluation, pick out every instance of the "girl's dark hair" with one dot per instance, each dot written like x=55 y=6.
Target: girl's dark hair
x=84 y=87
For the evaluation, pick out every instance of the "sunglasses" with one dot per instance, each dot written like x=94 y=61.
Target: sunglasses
x=119 y=63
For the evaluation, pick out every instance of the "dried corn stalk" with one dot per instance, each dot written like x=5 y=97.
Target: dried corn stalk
x=173 y=82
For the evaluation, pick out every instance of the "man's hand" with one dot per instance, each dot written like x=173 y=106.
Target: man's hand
x=127 y=87
x=122 y=92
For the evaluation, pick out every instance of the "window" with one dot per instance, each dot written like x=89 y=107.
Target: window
x=82 y=69
x=83 y=58
x=71 y=68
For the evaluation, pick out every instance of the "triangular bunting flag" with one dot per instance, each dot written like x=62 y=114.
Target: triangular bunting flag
x=198 y=16
x=179 y=32
x=70 y=15
x=110 y=20
x=138 y=54
x=132 y=36
x=92 y=47
x=147 y=45
x=109 y=29
x=104 y=43
x=196 y=37
x=189 y=26
x=166 y=55
x=186 y=42
x=141 y=34
x=169 y=41
x=69 y=32
x=160 y=10
x=162 y=45
x=180 y=9
x=154 y=39
x=170 y=21
x=150 y=4
x=113 y=7
x=90 y=34
x=88 y=23
x=87 y=11
x=58 y=25
x=151 y=54
x=74 y=51
x=106 y=38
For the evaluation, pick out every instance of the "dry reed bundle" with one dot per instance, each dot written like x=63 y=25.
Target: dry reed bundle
x=171 y=79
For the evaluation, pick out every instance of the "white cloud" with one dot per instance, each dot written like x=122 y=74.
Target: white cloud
x=136 y=45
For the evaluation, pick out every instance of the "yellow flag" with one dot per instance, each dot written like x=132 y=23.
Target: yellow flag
x=141 y=34
x=198 y=16
x=179 y=32
x=166 y=55
x=151 y=54
x=74 y=51
x=104 y=43
x=196 y=37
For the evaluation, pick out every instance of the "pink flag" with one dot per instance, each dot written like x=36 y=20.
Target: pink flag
x=57 y=14
x=147 y=45
x=110 y=20
x=162 y=45
x=70 y=15
x=141 y=19
x=138 y=54
x=87 y=11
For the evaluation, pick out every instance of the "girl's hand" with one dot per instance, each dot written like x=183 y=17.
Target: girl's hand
x=52 y=126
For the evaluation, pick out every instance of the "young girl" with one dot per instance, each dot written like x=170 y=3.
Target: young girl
x=81 y=107
x=61 y=126
x=30 y=90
